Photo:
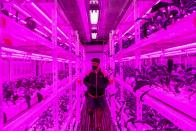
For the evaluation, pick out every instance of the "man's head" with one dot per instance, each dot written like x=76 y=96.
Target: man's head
x=95 y=63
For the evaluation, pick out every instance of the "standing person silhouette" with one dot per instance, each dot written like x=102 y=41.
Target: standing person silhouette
x=96 y=81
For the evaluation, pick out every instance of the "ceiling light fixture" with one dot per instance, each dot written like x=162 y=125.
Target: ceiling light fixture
x=178 y=50
x=94 y=35
x=94 y=16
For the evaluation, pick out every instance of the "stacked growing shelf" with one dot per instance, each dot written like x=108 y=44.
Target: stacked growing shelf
x=173 y=43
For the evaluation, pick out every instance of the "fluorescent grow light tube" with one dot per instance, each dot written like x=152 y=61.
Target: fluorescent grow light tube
x=59 y=38
x=38 y=9
x=94 y=35
x=129 y=58
x=25 y=13
x=62 y=33
x=22 y=55
x=39 y=55
x=142 y=17
x=41 y=32
x=150 y=9
x=28 y=15
x=46 y=17
x=153 y=53
x=128 y=30
x=94 y=16
x=46 y=28
x=182 y=47
x=12 y=50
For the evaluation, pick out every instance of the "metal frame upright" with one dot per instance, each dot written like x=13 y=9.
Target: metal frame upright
x=137 y=61
x=78 y=73
x=121 y=77
x=55 y=64
x=1 y=85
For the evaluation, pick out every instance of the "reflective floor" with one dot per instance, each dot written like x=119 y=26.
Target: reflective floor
x=84 y=125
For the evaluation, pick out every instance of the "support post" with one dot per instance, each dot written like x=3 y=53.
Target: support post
x=78 y=87
x=1 y=90
x=137 y=62
x=121 y=78
x=112 y=68
x=55 y=64
x=162 y=56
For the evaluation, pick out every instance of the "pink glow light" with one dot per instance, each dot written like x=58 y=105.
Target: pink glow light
x=94 y=35
x=94 y=16
x=47 y=18
x=38 y=9
x=178 y=50
x=39 y=55
x=142 y=17
x=41 y=32
x=12 y=50
x=182 y=47
x=46 y=28
x=24 y=55
x=25 y=13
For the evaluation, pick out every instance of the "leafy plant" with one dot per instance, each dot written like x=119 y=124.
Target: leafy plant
x=164 y=14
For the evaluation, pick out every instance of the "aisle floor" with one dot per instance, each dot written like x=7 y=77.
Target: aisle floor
x=84 y=125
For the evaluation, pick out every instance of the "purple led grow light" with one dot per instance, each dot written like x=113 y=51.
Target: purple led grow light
x=12 y=50
x=142 y=17
x=25 y=55
x=178 y=50
x=47 y=18
x=41 y=12
x=25 y=13
x=182 y=47
x=40 y=32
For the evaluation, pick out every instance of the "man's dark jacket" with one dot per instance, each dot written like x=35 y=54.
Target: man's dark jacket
x=90 y=82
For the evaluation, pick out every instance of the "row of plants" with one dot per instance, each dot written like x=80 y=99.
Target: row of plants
x=63 y=109
x=156 y=120
x=149 y=116
x=162 y=15
x=175 y=78
x=44 y=122
x=26 y=87
x=62 y=74
x=46 y=119
x=24 y=90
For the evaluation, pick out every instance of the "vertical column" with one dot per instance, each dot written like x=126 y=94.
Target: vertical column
x=70 y=78
x=112 y=63
x=121 y=78
x=137 y=24
x=1 y=90
x=137 y=62
x=78 y=88
x=70 y=58
x=55 y=64
x=162 y=56
x=112 y=68
x=10 y=68
x=84 y=60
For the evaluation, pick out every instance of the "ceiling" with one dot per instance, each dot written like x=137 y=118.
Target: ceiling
x=111 y=12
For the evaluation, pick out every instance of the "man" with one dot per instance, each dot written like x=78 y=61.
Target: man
x=96 y=82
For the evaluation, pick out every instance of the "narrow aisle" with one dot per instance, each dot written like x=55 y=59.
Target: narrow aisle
x=84 y=124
